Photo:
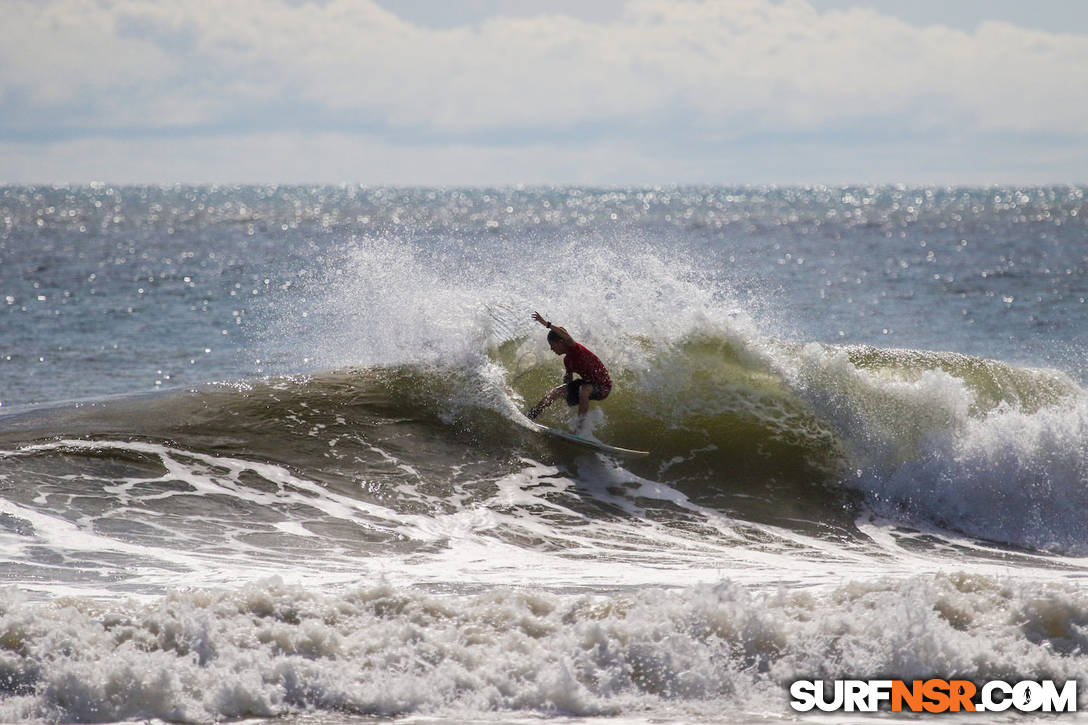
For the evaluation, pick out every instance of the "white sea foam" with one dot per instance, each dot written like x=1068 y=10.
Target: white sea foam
x=923 y=449
x=216 y=519
x=723 y=651
x=1010 y=476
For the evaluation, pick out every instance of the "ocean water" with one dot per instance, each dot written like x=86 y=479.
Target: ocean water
x=262 y=455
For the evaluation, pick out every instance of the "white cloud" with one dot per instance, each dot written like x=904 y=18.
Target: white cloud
x=782 y=64
x=61 y=52
x=669 y=72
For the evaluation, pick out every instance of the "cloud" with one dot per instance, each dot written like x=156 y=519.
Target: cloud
x=702 y=65
x=668 y=79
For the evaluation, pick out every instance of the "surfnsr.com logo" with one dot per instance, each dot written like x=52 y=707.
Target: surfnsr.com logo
x=933 y=695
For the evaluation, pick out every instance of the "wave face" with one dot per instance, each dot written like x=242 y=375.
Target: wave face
x=263 y=451
x=797 y=436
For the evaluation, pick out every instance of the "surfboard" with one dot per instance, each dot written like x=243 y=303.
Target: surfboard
x=586 y=442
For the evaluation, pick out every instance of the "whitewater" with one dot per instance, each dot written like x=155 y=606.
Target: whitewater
x=262 y=451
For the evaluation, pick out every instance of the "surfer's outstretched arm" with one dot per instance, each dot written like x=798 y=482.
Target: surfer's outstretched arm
x=561 y=331
x=547 y=400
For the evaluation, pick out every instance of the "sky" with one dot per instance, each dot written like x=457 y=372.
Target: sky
x=499 y=92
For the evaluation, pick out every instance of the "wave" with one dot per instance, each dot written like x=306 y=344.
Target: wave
x=977 y=446
x=726 y=651
x=767 y=431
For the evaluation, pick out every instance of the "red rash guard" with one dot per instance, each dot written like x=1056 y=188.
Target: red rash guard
x=580 y=360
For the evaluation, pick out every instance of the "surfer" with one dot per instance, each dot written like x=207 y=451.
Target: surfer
x=593 y=382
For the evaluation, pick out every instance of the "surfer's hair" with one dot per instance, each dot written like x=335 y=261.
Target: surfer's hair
x=553 y=336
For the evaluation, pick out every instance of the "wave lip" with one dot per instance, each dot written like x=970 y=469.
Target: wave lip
x=1013 y=476
x=977 y=446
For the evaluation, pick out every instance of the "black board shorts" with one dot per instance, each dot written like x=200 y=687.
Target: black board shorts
x=573 y=397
